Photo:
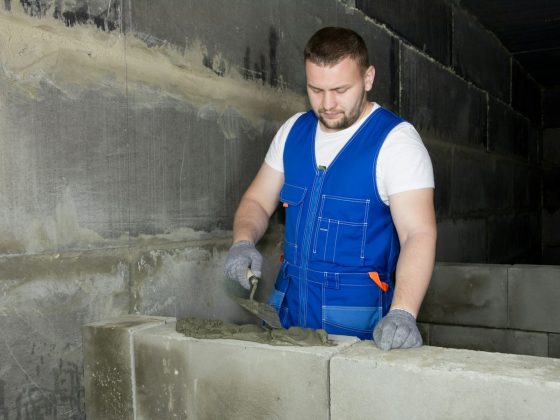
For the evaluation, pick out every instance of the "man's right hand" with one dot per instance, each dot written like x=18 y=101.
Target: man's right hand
x=241 y=256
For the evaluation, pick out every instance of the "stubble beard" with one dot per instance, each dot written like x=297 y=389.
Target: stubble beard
x=347 y=120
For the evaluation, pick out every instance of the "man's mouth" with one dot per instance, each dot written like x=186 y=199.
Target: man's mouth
x=331 y=115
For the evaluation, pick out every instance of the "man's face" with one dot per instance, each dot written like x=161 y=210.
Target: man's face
x=338 y=93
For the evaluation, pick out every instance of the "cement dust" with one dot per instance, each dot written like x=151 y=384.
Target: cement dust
x=213 y=329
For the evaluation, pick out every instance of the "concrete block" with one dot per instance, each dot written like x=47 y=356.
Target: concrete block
x=551 y=228
x=535 y=144
x=551 y=255
x=467 y=294
x=424 y=329
x=459 y=119
x=430 y=379
x=479 y=56
x=509 y=237
x=551 y=188
x=535 y=235
x=425 y=23
x=533 y=295
x=528 y=189
x=504 y=185
x=554 y=345
x=551 y=146
x=461 y=240
x=529 y=343
x=508 y=131
x=523 y=181
x=489 y=339
x=474 y=182
x=551 y=105
x=109 y=365
x=183 y=377
x=526 y=94
x=44 y=301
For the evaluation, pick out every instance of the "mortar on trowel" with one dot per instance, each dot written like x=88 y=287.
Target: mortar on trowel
x=262 y=310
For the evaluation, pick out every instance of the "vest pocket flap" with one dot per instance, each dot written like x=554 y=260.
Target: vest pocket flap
x=292 y=194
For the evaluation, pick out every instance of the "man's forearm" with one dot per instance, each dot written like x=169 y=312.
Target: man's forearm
x=414 y=271
x=250 y=222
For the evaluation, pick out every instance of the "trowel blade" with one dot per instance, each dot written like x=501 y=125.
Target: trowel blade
x=262 y=310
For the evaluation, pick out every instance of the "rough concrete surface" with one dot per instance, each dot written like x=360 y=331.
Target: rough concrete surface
x=462 y=239
x=489 y=339
x=109 y=365
x=467 y=294
x=554 y=345
x=533 y=296
x=436 y=383
x=44 y=301
x=188 y=280
x=508 y=130
x=425 y=23
x=479 y=56
x=459 y=119
x=182 y=377
x=526 y=94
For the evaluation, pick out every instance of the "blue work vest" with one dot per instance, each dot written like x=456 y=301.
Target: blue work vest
x=340 y=245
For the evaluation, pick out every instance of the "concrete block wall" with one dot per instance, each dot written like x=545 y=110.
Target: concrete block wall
x=551 y=196
x=479 y=113
x=130 y=129
x=491 y=307
x=140 y=368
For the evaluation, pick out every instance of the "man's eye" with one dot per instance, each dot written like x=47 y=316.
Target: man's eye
x=341 y=90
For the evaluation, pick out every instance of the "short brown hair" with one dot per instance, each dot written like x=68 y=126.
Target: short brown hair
x=330 y=45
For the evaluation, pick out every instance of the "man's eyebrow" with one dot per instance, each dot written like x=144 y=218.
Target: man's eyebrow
x=335 y=88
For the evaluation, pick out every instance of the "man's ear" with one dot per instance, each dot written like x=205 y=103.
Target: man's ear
x=369 y=77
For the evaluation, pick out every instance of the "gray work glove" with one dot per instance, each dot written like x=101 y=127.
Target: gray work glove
x=241 y=256
x=397 y=330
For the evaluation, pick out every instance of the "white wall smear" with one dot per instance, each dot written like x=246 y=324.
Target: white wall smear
x=81 y=57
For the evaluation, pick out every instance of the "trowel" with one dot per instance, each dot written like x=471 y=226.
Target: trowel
x=262 y=310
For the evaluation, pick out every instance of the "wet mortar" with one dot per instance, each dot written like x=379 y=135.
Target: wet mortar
x=214 y=329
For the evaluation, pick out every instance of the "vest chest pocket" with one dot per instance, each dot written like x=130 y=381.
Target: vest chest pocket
x=340 y=234
x=292 y=198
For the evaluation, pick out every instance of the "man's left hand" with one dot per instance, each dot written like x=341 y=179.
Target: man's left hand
x=397 y=330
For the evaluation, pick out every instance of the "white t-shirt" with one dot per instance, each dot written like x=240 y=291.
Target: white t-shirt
x=403 y=163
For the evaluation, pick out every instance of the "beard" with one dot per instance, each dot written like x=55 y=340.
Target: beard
x=347 y=119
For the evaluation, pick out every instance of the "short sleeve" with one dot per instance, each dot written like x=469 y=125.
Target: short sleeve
x=275 y=155
x=403 y=163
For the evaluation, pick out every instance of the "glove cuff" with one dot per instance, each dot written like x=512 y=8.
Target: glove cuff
x=403 y=312
x=243 y=243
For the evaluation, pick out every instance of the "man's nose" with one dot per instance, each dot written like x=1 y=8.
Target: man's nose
x=329 y=101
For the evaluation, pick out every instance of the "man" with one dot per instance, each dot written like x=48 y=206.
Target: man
x=357 y=186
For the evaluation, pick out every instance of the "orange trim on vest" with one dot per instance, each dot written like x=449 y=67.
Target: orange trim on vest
x=284 y=204
x=375 y=277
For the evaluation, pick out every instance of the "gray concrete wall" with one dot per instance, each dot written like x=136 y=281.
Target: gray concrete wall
x=130 y=129
x=141 y=368
x=479 y=114
x=551 y=196
x=491 y=307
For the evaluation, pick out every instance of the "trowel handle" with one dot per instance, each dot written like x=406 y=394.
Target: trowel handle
x=254 y=281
